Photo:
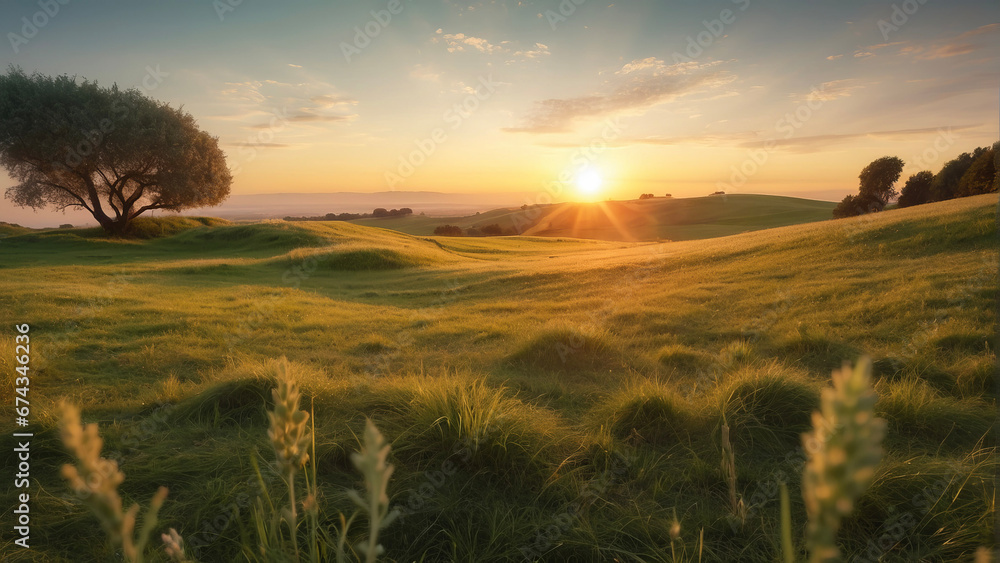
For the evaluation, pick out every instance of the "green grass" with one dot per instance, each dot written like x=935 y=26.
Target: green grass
x=452 y=347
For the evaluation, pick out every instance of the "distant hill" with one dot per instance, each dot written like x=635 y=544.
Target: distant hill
x=637 y=220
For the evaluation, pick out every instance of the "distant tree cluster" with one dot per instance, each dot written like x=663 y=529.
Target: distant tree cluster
x=718 y=193
x=491 y=230
x=668 y=195
x=383 y=212
x=646 y=196
x=379 y=212
x=967 y=175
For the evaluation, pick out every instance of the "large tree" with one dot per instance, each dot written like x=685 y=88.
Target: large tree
x=879 y=178
x=878 y=181
x=116 y=153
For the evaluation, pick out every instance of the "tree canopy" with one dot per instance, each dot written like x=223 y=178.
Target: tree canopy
x=879 y=178
x=980 y=177
x=917 y=189
x=116 y=153
x=945 y=185
x=878 y=188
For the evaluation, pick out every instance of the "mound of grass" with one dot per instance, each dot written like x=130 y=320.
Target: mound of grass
x=738 y=353
x=481 y=427
x=368 y=259
x=683 y=358
x=568 y=350
x=819 y=352
x=12 y=229
x=239 y=394
x=159 y=227
x=915 y=368
x=963 y=343
x=976 y=376
x=924 y=509
x=375 y=344
x=649 y=412
x=768 y=408
x=269 y=235
x=241 y=402
x=917 y=412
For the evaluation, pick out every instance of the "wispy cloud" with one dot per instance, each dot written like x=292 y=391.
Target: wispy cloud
x=460 y=42
x=456 y=42
x=818 y=143
x=754 y=139
x=834 y=89
x=706 y=139
x=304 y=102
x=962 y=44
x=636 y=87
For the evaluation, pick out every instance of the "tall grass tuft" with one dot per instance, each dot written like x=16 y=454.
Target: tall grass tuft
x=736 y=505
x=95 y=480
x=845 y=448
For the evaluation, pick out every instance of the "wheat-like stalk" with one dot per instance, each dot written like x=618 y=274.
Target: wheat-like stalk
x=845 y=447
x=371 y=462
x=174 y=546
x=95 y=480
x=289 y=434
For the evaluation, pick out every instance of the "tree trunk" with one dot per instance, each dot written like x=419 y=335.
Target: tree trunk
x=117 y=228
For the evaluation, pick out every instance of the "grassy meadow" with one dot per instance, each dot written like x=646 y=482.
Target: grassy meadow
x=550 y=399
x=656 y=219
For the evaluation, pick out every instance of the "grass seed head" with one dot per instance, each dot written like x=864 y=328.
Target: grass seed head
x=289 y=431
x=845 y=448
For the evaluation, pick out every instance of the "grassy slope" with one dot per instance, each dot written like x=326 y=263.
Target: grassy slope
x=590 y=352
x=654 y=219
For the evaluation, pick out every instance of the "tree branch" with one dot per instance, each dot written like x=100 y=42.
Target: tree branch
x=70 y=192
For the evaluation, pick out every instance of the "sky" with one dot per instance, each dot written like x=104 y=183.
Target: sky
x=559 y=99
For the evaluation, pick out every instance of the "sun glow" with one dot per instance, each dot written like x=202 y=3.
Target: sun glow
x=588 y=182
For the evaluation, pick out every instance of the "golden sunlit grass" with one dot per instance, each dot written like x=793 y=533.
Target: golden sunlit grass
x=529 y=387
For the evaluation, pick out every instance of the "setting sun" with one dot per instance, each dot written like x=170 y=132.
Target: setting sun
x=588 y=182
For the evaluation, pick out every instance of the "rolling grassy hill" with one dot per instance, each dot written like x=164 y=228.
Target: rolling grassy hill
x=583 y=382
x=639 y=220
